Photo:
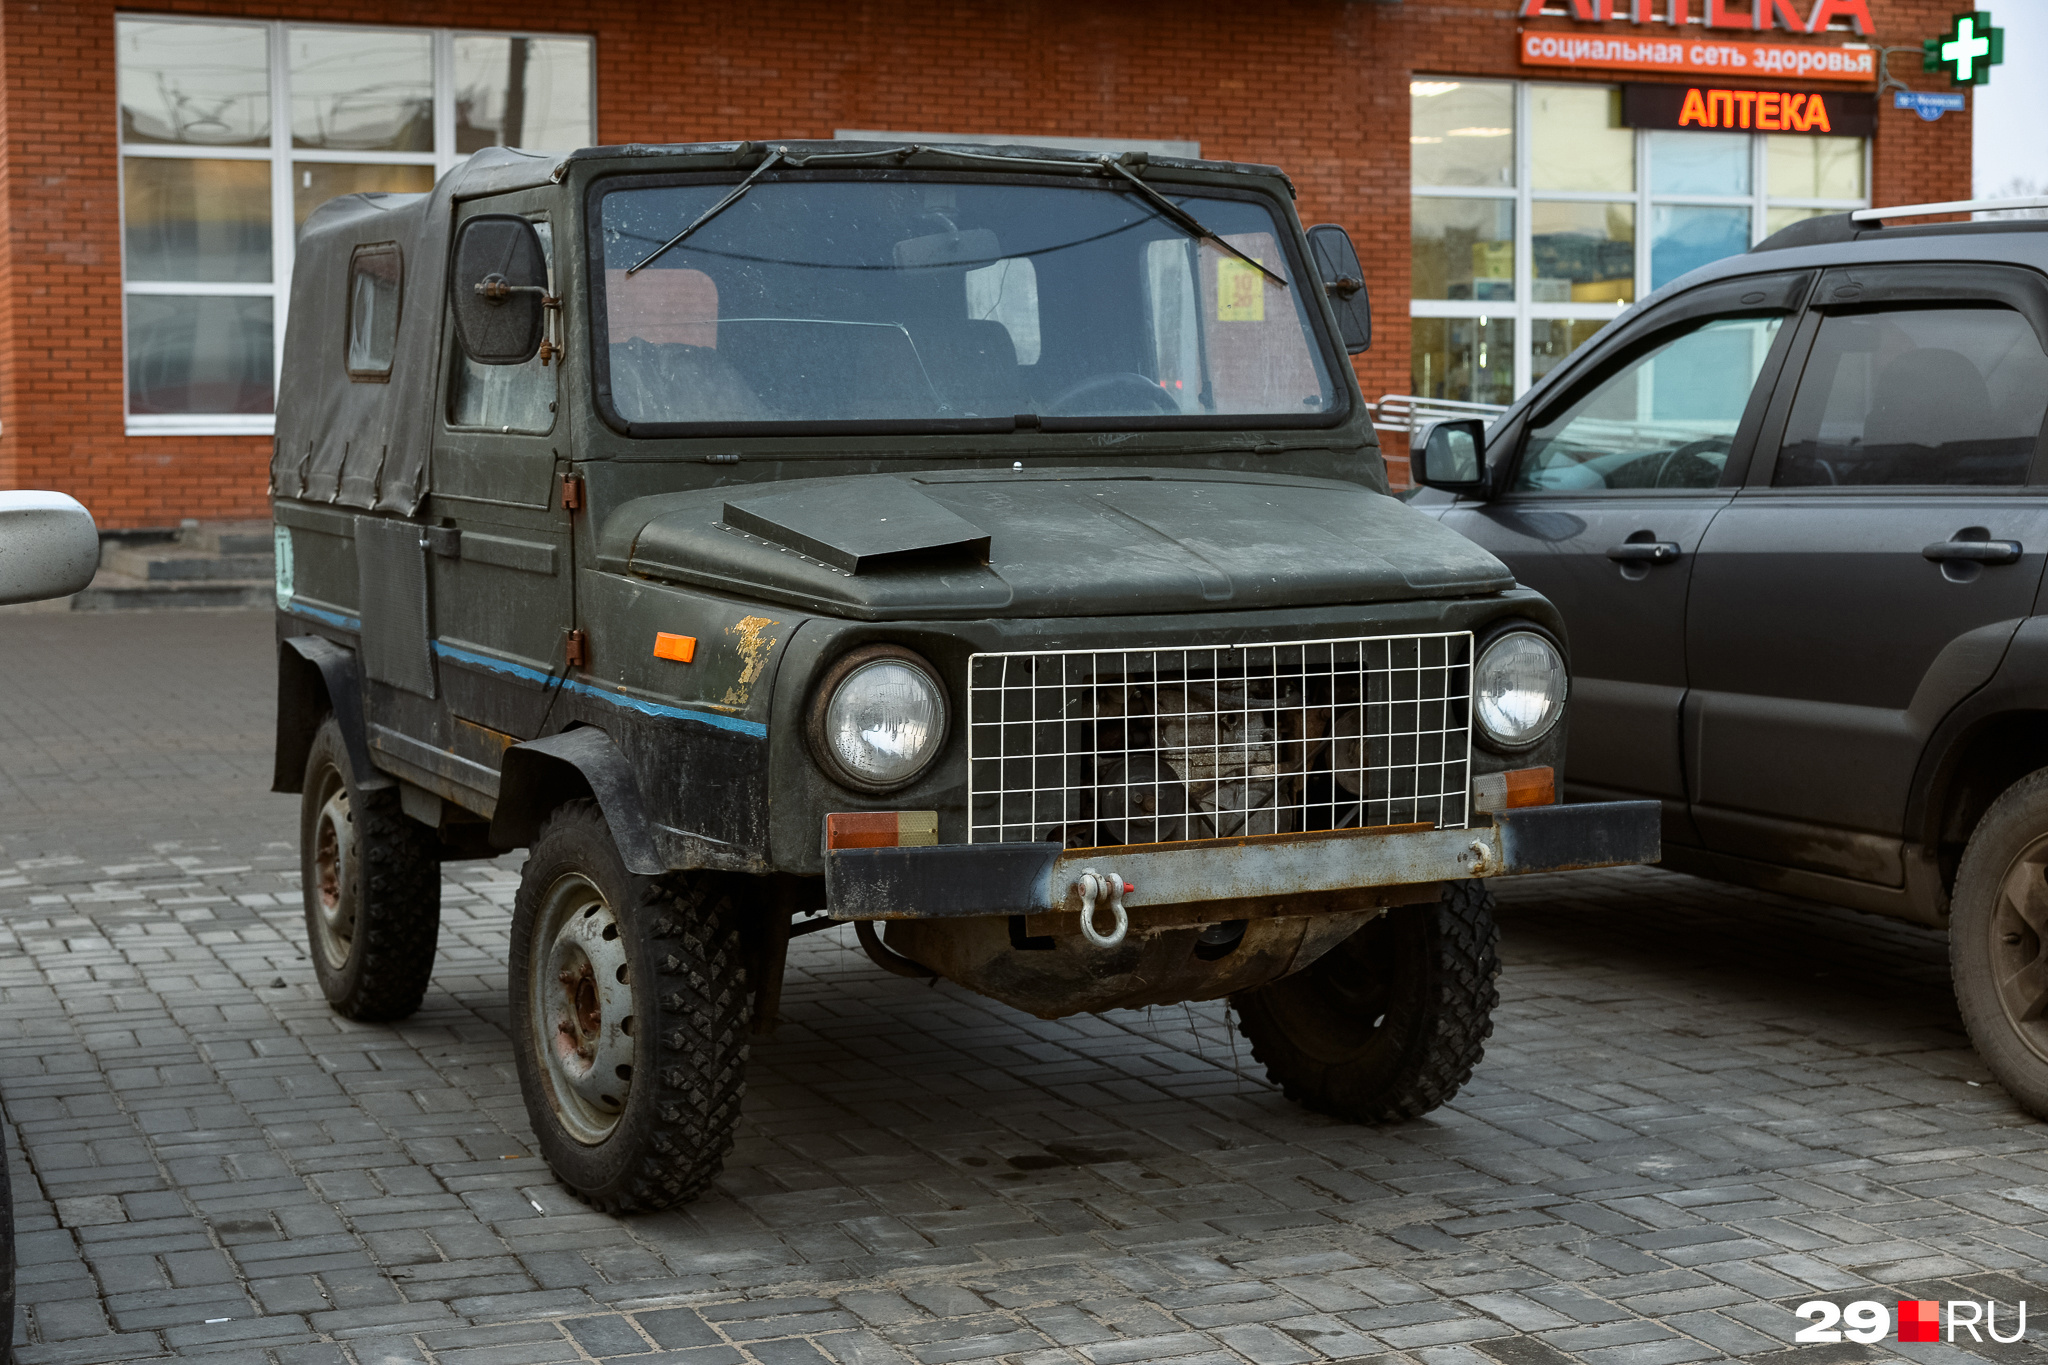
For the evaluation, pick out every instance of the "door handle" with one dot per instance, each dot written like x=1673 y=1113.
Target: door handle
x=1644 y=552
x=1972 y=551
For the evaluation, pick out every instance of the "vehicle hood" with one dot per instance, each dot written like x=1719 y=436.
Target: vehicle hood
x=1047 y=543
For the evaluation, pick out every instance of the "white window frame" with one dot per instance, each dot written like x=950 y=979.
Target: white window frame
x=281 y=154
x=1523 y=309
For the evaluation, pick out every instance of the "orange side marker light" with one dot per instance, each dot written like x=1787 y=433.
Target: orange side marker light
x=882 y=829
x=1514 y=789
x=681 y=648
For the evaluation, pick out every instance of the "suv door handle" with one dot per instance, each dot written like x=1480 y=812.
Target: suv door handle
x=1644 y=552
x=1972 y=551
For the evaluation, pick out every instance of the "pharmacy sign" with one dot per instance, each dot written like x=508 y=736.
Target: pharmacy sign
x=1967 y=51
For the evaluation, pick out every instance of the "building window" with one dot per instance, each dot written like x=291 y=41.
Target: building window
x=233 y=133
x=1537 y=218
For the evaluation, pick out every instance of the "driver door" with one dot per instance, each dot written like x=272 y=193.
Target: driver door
x=502 y=571
x=1611 y=487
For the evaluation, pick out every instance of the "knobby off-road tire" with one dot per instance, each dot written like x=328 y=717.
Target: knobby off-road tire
x=1389 y=1024
x=1998 y=941
x=372 y=885
x=630 y=1017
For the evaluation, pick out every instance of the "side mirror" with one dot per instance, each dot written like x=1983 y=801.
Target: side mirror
x=1447 y=455
x=1344 y=281
x=48 y=547
x=497 y=288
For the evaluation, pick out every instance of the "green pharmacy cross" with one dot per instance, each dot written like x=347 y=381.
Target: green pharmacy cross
x=1968 y=51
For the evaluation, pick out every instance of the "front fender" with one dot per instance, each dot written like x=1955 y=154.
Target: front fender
x=542 y=773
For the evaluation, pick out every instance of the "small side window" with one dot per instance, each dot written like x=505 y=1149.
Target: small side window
x=376 y=275
x=508 y=397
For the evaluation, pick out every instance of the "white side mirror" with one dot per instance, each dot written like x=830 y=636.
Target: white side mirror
x=49 y=546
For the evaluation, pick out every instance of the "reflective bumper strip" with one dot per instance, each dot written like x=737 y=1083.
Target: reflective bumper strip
x=955 y=880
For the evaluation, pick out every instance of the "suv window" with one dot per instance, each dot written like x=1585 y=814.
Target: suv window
x=1666 y=419
x=1917 y=396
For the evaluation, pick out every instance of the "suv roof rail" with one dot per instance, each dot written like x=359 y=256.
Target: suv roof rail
x=1833 y=228
x=2037 y=201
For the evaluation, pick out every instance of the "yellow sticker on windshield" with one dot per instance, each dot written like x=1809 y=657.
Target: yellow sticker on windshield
x=1239 y=295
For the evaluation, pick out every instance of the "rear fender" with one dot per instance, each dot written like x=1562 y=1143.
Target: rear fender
x=316 y=676
x=1993 y=737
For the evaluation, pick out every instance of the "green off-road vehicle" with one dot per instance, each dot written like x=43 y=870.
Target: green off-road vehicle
x=988 y=547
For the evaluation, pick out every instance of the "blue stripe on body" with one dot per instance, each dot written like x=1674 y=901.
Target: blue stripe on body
x=605 y=694
x=326 y=617
x=714 y=719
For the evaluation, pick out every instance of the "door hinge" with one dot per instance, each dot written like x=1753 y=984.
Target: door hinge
x=577 y=649
x=572 y=492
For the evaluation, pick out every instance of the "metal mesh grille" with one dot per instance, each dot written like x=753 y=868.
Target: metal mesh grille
x=1131 y=746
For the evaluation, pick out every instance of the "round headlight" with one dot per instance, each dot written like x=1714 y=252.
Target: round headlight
x=1518 y=689
x=881 y=718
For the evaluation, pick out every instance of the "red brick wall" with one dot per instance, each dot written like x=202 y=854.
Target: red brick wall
x=1316 y=86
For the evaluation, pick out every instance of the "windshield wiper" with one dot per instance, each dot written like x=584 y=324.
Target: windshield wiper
x=1192 y=224
x=720 y=207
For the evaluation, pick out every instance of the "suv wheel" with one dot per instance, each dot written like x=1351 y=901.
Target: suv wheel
x=630 y=1017
x=372 y=884
x=1389 y=1024
x=1998 y=941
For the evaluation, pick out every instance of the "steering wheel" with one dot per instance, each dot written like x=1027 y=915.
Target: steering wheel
x=1129 y=380
x=1693 y=465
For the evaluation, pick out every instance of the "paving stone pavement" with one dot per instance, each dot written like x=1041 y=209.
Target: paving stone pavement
x=1700 y=1108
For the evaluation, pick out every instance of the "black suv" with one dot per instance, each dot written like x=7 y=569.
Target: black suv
x=1794 y=510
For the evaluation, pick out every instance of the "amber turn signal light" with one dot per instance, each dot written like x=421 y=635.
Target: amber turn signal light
x=1515 y=788
x=882 y=829
x=681 y=648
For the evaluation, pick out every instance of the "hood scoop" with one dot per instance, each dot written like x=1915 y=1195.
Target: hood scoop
x=858 y=526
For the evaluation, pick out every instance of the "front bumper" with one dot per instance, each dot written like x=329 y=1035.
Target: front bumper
x=1234 y=878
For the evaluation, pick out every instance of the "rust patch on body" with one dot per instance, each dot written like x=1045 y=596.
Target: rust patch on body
x=485 y=735
x=754 y=646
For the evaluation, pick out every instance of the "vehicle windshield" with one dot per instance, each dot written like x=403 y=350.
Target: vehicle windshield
x=916 y=300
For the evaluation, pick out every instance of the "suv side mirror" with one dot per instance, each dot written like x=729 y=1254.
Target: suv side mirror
x=48 y=547
x=1448 y=455
x=497 y=288
x=1343 y=280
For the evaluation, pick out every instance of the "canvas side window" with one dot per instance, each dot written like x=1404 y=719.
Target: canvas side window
x=517 y=398
x=376 y=276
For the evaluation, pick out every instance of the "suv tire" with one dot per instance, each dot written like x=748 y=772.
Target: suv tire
x=630 y=1017
x=1998 y=940
x=1387 y=1025
x=372 y=885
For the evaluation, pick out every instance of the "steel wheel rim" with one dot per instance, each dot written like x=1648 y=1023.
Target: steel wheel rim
x=2018 y=945
x=1337 y=1009
x=581 y=1008
x=332 y=893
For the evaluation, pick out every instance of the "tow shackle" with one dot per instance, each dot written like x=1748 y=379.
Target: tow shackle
x=1103 y=891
